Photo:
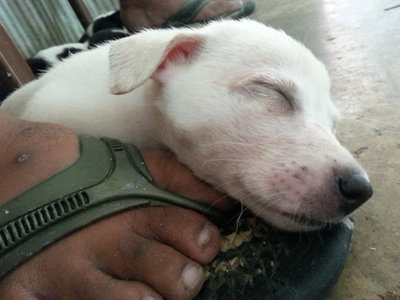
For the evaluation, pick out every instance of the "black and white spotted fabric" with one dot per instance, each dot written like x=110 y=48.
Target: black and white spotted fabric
x=104 y=28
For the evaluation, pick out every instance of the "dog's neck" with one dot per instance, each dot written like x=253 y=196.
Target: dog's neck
x=149 y=123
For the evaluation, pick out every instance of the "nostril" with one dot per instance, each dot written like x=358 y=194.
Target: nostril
x=355 y=190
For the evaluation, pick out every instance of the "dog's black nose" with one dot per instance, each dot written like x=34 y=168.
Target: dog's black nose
x=355 y=190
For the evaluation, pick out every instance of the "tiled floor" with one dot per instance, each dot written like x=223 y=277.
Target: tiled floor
x=359 y=40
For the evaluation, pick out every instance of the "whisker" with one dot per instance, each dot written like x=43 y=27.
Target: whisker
x=219 y=200
x=242 y=210
x=218 y=187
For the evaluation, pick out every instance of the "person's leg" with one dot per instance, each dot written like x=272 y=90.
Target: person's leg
x=144 y=252
x=138 y=14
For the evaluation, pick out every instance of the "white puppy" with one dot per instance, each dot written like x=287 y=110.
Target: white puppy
x=245 y=106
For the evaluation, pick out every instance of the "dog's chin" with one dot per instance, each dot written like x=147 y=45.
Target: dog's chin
x=298 y=224
x=293 y=222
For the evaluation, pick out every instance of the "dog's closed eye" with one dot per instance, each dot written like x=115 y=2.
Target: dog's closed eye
x=266 y=88
x=281 y=88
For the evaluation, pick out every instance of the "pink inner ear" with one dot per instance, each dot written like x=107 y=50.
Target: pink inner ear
x=181 y=52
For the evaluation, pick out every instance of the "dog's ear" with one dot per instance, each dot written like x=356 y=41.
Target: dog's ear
x=135 y=59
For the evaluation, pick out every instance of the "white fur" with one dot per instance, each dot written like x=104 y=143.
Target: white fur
x=245 y=106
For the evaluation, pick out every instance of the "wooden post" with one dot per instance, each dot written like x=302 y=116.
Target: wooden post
x=81 y=12
x=14 y=71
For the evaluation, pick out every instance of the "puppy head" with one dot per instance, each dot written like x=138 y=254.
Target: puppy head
x=248 y=109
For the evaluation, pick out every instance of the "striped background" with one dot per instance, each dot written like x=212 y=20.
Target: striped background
x=37 y=24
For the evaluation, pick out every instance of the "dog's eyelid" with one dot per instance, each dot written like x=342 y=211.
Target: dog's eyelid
x=288 y=97
x=261 y=85
x=284 y=88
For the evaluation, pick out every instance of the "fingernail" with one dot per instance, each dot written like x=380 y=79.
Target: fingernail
x=192 y=277
x=204 y=236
